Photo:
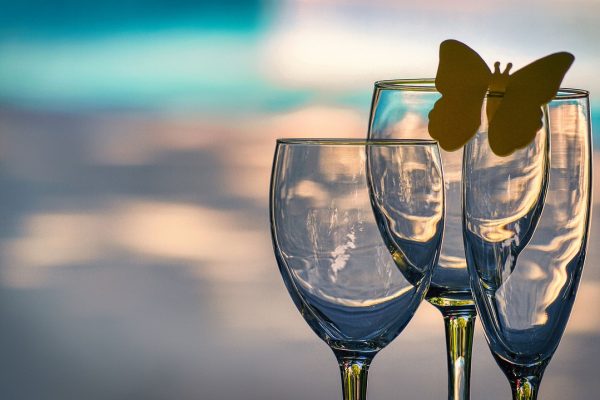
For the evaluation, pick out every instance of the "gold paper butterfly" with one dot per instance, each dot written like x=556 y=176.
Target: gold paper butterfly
x=514 y=101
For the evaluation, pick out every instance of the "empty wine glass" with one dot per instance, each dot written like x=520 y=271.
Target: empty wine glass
x=355 y=290
x=526 y=221
x=400 y=109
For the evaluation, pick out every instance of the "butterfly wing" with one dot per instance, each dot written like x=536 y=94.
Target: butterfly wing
x=519 y=116
x=462 y=79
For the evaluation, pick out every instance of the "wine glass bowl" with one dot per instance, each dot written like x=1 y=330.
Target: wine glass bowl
x=355 y=290
x=526 y=221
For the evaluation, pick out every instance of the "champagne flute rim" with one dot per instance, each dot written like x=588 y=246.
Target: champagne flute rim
x=428 y=85
x=356 y=142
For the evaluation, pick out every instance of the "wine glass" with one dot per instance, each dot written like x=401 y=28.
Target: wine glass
x=526 y=221
x=355 y=290
x=400 y=110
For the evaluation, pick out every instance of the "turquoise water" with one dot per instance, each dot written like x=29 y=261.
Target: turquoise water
x=67 y=18
x=141 y=54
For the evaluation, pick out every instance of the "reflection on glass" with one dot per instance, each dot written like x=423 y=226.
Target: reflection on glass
x=356 y=291
x=526 y=221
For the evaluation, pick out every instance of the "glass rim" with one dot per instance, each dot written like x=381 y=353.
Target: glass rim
x=428 y=85
x=356 y=142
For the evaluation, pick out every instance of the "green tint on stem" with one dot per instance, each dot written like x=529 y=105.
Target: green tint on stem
x=524 y=379
x=525 y=388
x=459 y=325
x=354 y=372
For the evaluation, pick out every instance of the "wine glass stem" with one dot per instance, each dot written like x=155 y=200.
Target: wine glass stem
x=354 y=378
x=525 y=388
x=459 y=344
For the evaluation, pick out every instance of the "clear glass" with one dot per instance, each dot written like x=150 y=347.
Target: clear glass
x=356 y=290
x=400 y=109
x=526 y=222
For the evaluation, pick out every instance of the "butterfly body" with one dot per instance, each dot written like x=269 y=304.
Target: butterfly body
x=513 y=101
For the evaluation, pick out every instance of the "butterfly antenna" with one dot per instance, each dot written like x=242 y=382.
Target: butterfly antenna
x=496 y=67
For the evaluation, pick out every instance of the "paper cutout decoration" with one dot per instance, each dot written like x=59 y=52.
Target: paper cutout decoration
x=514 y=101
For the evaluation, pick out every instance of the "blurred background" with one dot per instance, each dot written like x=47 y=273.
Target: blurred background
x=136 y=139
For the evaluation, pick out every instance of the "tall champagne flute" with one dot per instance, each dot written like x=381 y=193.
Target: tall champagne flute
x=526 y=221
x=400 y=110
x=355 y=290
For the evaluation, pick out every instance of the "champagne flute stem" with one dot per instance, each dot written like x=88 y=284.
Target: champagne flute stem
x=354 y=377
x=459 y=344
x=525 y=388
x=524 y=379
